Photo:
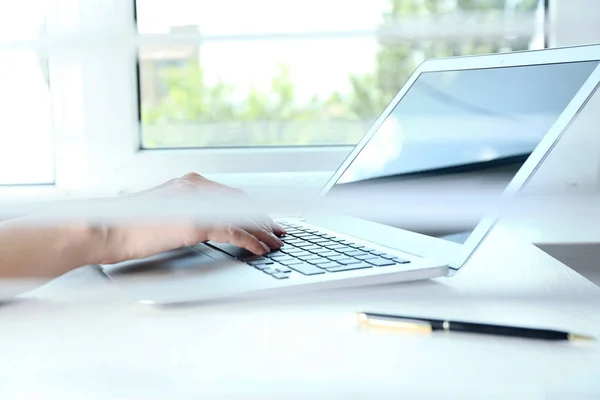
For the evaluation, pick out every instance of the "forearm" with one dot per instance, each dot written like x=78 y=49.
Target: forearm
x=38 y=248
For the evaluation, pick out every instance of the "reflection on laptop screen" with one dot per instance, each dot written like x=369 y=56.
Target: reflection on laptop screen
x=452 y=126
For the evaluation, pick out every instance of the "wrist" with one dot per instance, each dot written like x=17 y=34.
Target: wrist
x=85 y=243
x=41 y=246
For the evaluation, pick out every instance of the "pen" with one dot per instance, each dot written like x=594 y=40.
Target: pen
x=428 y=325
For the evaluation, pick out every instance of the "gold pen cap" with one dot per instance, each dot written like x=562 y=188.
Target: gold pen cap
x=408 y=325
x=576 y=336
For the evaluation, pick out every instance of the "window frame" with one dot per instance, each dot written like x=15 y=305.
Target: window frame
x=99 y=154
x=208 y=160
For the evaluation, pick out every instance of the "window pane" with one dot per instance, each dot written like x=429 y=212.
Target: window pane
x=26 y=153
x=276 y=72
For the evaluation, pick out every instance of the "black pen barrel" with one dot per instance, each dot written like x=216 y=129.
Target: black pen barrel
x=501 y=330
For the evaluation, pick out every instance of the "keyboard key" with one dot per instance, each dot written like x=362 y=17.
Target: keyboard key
x=290 y=249
x=329 y=243
x=274 y=252
x=377 y=252
x=260 y=261
x=293 y=243
x=329 y=253
x=281 y=257
x=397 y=260
x=307 y=269
x=269 y=270
x=317 y=260
x=283 y=268
x=338 y=257
x=380 y=262
x=304 y=237
x=297 y=252
x=288 y=238
x=280 y=275
x=319 y=251
x=356 y=246
x=290 y=262
x=319 y=240
x=314 y=249
x=310 y=238
x=348 y=261
x=354 y=253
x=365 y=256
x=308 y=257
x=303 y=254
x=305 y=232
x=262 y=267
x=349 y=267
x=340 y=247
x=330 y=237
x=328 y=265
x=303 y=245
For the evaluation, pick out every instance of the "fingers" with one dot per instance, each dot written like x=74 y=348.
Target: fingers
x=249 y=236
x=264 y=234
x=271 y=226
x=198 y=180
x=238 y=237
x=277 y=229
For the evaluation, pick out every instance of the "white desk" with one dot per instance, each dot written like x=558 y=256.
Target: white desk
x=311 y=344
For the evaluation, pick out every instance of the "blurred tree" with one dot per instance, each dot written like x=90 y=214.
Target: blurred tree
x=189 y=98
x=396 y=60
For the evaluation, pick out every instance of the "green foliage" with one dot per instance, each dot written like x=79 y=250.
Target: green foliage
x=189 y=98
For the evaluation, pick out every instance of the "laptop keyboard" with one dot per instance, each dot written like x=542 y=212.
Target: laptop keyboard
x=311 y=252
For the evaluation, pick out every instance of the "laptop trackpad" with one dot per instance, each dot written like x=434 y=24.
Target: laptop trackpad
x=185 y=259
x=233 y=251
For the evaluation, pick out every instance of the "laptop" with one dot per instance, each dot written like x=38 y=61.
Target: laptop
x=455 y=124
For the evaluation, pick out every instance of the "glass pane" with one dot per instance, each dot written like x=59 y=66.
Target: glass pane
x=26 y=153
x=278 y=73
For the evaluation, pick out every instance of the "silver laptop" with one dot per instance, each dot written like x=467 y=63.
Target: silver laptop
x=456 y=123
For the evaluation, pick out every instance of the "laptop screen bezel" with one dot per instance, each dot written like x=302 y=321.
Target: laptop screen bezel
x=506 y=60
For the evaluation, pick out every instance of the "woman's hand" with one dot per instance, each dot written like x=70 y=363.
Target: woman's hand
x=49 y=245
x=130 y=240
x=46 y=246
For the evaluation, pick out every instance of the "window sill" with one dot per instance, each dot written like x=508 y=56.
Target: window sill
x=306 y=181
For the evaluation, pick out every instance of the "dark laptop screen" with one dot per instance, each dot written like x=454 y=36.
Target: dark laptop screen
x=461 y=126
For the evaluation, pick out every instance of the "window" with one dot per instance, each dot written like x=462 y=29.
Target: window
x=121 y=94
x=277 y=73
x=26 y=150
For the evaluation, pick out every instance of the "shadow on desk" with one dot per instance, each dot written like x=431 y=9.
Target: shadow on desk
x=348 y=298
x=581 y=257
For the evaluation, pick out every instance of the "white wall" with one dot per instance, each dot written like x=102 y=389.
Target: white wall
x=573 y=166
x=574 y=22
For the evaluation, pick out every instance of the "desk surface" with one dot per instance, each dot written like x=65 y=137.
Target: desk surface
x=95 y=343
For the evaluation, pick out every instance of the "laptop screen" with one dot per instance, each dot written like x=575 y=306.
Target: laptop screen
x=457 y=128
